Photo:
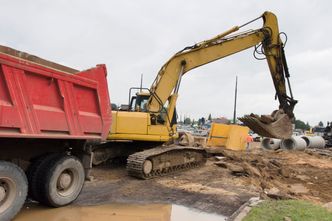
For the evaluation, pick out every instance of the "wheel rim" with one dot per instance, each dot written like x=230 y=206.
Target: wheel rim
x=147 y=167
x=67 y=182
x=7 y=193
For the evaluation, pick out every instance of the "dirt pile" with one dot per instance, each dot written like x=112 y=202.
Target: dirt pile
x=283 y=174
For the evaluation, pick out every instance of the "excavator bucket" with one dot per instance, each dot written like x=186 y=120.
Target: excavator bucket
x=277 y=125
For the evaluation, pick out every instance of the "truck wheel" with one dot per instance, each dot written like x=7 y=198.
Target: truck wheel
x=61 y=181
x=33 y=173
x=13 y=190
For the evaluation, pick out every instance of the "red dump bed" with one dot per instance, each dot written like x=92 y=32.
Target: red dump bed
x=42 y=99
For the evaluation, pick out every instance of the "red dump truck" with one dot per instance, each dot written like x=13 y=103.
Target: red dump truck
x=50 y=117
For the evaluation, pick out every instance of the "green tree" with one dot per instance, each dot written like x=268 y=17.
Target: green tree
x=299 y=124
x=187 y=121
x=321 y=124
x=210 y=117
x=201 y=121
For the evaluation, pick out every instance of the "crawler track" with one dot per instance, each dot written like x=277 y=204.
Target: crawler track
x=161 y=161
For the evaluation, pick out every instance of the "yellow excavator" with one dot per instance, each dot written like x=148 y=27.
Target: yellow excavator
x=150 y=117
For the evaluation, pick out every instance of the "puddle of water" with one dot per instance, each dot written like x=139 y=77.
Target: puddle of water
x=181 y=213
x=115 y=212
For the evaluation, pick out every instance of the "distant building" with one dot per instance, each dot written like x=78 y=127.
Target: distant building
x=221 y=120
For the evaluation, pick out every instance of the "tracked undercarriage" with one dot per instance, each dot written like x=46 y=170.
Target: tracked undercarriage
x=162 y=160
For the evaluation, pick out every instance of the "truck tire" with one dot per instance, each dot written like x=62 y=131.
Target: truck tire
x=13 y=190
x=33 y=173
x=61 y=181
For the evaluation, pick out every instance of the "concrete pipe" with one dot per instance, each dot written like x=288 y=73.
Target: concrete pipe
x=270 y=143
x=314 y=142
x=293 y=143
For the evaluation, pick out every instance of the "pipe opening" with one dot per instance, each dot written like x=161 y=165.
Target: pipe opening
x=288 y=144
x=306 y=139
x=270 y=143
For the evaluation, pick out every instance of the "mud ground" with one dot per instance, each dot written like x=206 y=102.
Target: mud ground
x=221 y=186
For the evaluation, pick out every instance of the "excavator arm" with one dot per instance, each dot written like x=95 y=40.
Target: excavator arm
x=166 y=85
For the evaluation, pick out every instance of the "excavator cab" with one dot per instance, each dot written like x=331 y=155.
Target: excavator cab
x=138 y=102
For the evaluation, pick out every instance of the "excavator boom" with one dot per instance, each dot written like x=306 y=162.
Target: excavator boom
x=166 y=84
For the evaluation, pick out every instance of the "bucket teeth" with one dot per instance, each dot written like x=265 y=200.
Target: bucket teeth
x=280 y=128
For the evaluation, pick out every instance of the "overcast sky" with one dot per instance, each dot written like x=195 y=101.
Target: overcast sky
x=138 y=37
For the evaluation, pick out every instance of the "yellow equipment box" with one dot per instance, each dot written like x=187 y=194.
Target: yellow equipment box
x=229 y=136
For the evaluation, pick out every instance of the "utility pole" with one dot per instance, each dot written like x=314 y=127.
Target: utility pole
x=235 y=98
x=141 y=82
